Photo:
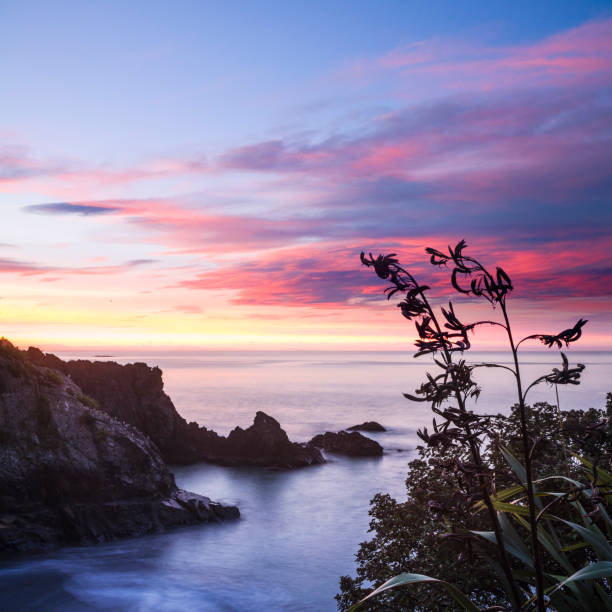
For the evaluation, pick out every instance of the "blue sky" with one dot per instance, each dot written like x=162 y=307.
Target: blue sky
x=117 y=80
x=223 y=151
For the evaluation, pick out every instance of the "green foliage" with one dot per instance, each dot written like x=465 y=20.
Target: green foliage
x=583 y=591
x=428 y=532
x=52 y=378
x=88 y=401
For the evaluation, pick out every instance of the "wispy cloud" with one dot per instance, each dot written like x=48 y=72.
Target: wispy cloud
x=140 y=262
x=17 y=266
x=187 y=309
x=187 y=228
x=65 y=208
x=19 y=165
x=56 y=272
x=543 y=145
x=582 y=53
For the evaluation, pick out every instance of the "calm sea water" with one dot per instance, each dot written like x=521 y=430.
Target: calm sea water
x=300 y=529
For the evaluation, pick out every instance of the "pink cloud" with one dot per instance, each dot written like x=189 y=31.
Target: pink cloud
x=57 y=272
x=330 y=275
x=301 y=276
x=18 y=165
x=576 y=54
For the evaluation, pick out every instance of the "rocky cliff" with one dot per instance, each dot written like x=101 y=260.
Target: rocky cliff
x=134 y=393
x=70 y=472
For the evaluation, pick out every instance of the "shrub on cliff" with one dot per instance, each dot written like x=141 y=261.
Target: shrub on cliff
x=410 y=536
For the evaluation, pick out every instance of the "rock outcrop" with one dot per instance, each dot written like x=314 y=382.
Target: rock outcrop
x=134 y=393
x=265 y=443
x=345 y=443
x=371 y=426
x=71 y=473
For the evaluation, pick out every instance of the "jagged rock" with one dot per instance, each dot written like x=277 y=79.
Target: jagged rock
x=371 y=426
x=134 y=393
x=345 y=443
x=265 y=443
x=70 y=473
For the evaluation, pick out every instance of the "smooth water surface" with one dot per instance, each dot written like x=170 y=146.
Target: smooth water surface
x=299 y=529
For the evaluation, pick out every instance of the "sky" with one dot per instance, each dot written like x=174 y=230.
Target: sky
x=205 y=174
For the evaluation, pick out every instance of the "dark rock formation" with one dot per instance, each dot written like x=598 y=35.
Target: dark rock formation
x=265 y=443
x=70 y=473
x=353 y=444
x=134 y=393
x=371 y=426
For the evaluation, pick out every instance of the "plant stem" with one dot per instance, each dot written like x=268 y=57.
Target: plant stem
x=503 y=555
x=561 y=432
x=528 y=471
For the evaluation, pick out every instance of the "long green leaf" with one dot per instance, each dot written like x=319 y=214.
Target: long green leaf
x=502 y=495
x=403 y=579
x=513 y=550
x=512 y=537
x=594 y=537
x=580 y=600
x=515 y=509
x=601 y=569
x=606 y=518
x=548 y=543
x=519 y=470
x=515 y=464
x=584 y=598
x=572 y=547
x=559 y=477
x=510 y=508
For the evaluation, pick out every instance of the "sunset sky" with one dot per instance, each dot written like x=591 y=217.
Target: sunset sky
x=205 y=174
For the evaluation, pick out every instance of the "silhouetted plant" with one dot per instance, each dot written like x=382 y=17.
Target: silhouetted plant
x=443 y=334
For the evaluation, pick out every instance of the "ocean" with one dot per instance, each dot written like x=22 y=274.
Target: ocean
x=299 y=530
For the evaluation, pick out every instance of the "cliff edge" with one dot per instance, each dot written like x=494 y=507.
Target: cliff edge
x=72 y=473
